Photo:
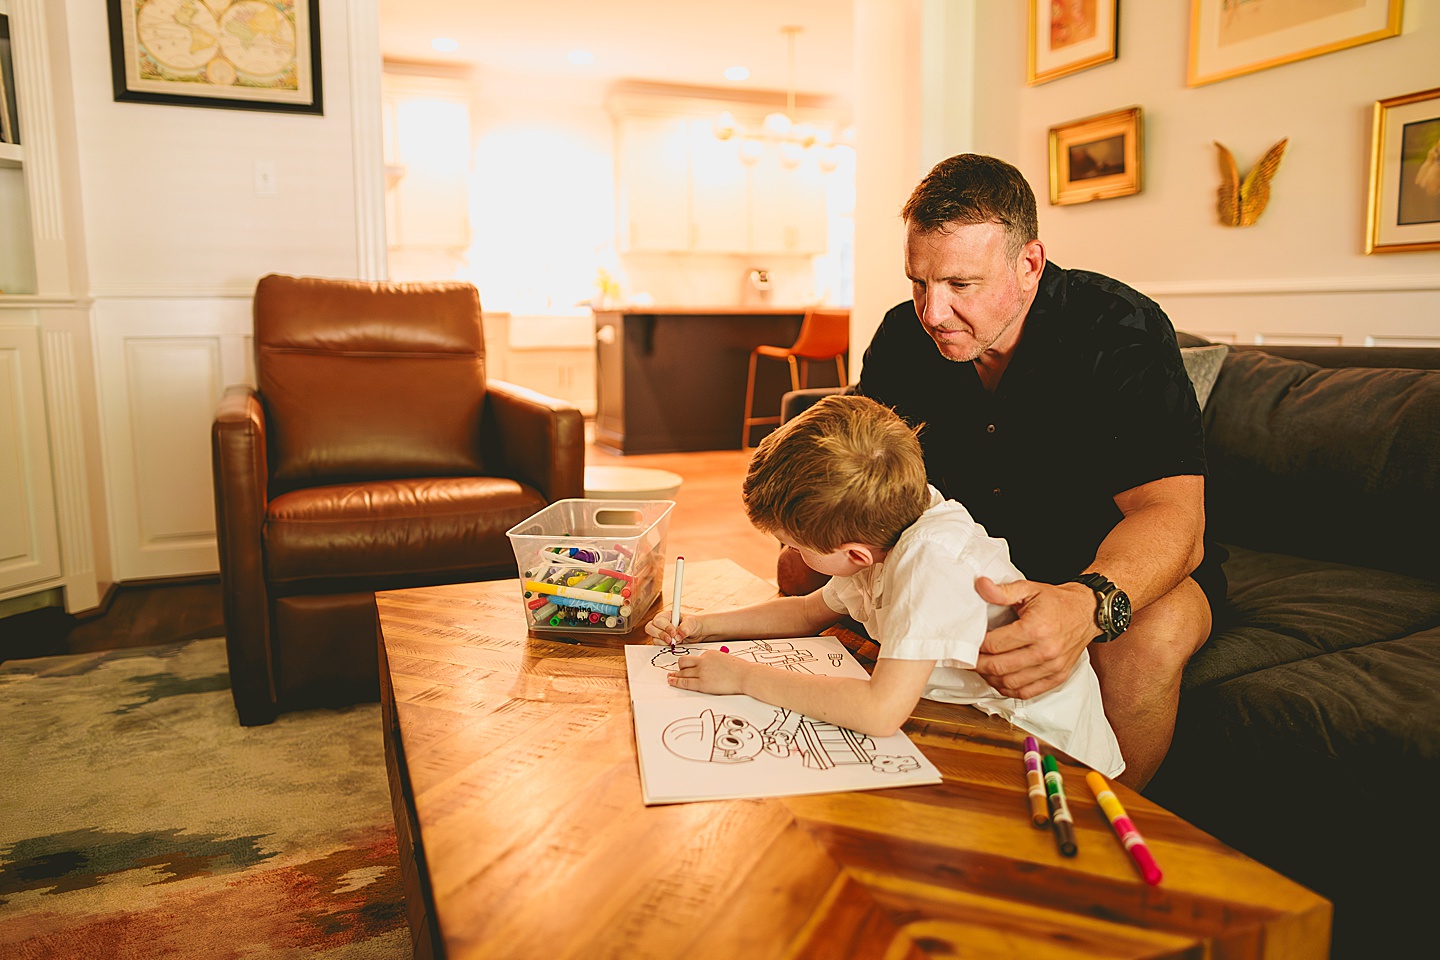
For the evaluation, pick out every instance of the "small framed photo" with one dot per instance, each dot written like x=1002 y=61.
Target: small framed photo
x=1405 y=175
x=1070 y=35
x=1096 y=158
x=234 y=54
x=1231 y=37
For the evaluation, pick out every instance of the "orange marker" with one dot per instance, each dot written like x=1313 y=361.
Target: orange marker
x=1035 y=783
x=1124 y=829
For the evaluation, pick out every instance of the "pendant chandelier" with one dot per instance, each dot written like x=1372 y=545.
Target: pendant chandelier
x=780 y=129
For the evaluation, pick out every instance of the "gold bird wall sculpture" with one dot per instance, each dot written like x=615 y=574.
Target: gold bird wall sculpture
x=1240 y=202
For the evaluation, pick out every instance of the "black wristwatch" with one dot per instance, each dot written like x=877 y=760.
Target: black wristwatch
x=1112 y=606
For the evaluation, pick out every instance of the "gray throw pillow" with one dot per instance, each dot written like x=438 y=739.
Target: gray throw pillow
x=1203 y=366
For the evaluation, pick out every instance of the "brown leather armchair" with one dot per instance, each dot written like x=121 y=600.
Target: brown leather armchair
x=374 y=455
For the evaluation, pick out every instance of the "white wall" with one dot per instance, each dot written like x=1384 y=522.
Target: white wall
x=175 y=238
x=1300 y=273
x=169 y=202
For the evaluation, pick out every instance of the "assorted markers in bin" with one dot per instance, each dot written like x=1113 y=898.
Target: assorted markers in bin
x=583 y=587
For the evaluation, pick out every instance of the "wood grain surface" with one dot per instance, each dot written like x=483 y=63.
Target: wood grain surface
x=523 y=832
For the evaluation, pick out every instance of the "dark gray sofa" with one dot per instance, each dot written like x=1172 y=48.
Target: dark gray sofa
x=1309 y=727
x=1308 y=735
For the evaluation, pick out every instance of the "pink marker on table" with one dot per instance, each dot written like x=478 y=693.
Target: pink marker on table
x=1124 y=829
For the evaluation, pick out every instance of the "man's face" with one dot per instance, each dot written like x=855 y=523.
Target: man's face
x=969 y=294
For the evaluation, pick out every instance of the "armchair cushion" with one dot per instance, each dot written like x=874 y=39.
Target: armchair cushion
x=380 y=534
x=332 y=356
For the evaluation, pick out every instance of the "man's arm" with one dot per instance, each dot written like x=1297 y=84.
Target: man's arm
x=1159 y=541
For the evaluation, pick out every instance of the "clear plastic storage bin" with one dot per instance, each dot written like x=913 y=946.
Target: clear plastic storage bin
x=592 y=565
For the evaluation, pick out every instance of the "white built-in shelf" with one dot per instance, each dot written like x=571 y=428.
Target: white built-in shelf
x=12 y=155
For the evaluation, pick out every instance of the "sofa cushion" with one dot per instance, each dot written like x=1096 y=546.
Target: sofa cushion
x=393 y=533
x=1373 y=706
x=1284 y=610
x=1334 y=464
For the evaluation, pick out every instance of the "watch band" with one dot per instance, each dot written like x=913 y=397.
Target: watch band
x=1106 y=597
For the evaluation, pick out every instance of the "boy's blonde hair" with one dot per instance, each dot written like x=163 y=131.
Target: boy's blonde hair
x=846 y=470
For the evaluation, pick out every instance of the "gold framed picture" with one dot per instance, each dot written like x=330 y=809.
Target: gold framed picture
x=1070 y=35
x=1231 y=37
x=1405 y=175
x=236 y=54
x=1096 y=158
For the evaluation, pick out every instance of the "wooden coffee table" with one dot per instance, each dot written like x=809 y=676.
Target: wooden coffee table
x=522 y=831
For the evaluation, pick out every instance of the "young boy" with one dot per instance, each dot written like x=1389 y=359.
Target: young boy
x=844 y=483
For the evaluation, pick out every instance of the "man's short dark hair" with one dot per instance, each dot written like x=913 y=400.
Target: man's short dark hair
x=970 y=188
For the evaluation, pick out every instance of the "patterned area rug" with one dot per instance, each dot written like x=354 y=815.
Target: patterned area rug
x=139 y=819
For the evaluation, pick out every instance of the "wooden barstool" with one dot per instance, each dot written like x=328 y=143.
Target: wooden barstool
x=824 y=335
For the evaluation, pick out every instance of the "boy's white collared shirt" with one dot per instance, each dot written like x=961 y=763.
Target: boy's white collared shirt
x=920 y=603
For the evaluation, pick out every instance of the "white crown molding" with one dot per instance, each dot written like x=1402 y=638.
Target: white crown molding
x=199 y=291
x=26 y=301
x=1287 y=286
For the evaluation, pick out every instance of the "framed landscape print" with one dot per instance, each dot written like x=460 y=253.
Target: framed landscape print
x=1070 y=35
x=1231 y=37
x=1405 y=175
x=1096 y=158
x=235 y=54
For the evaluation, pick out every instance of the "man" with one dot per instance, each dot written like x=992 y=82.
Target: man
x=1058 y=411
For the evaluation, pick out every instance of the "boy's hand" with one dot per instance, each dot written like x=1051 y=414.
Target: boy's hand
x=662 y=631
x=710 y=672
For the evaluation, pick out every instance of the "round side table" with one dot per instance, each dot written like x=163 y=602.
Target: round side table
x=630 y=483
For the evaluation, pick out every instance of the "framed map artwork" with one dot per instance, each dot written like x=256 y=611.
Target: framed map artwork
x=233 y=54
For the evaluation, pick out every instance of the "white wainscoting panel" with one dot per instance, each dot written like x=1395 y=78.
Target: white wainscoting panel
x=29 y=543
x=163 y=366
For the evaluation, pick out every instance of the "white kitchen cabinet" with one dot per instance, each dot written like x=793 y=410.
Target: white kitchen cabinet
x=682 y=190
x=46 y=534
x=427 y=162
x=654 y=185
x=787 y=207
x=29 y=542
x=565 y=374
x=552 y=355
x=719 y=193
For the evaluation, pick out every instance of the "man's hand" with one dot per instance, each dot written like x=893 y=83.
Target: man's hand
x=711 y=672
x=1037 y=651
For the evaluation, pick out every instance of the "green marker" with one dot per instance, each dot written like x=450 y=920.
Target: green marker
x=1059 y=809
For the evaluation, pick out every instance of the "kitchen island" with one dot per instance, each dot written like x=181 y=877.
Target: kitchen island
x=672 y=379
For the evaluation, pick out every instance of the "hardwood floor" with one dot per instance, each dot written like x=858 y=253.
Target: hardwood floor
x=708 y=522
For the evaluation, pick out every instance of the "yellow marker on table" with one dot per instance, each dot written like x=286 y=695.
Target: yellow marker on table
x=1124 y=829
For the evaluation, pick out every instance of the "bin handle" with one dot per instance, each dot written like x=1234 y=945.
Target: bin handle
x=610 y=517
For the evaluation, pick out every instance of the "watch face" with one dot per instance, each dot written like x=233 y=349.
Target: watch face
x=1119 y=612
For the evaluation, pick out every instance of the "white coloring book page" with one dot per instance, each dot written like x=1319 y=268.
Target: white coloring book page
x=695 y=746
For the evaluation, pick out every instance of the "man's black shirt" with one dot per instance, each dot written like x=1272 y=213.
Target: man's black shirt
x=1095 y=401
